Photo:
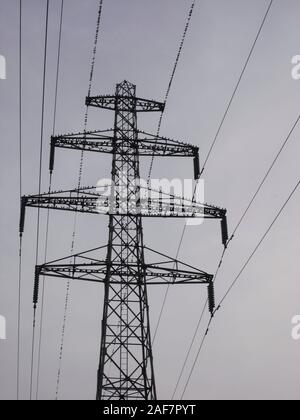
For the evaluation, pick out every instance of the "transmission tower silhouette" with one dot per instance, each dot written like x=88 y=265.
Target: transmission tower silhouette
x=128 y=267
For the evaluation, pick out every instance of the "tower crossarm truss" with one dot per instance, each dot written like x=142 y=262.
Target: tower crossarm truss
x=122 y=103
x=87 y=200
x=163 y=271
x=147 y=203
x=104 y=142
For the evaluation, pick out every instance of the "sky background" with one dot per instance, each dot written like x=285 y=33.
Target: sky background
x=249 y=353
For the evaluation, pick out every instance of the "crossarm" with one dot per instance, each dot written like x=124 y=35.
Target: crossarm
x=96 y=272
x=104 y=141
x=88 y=200
x=125 y=103
x=163 y=271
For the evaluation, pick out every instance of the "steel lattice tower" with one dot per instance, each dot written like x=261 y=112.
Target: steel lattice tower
x=126 y=309
x=126 y=362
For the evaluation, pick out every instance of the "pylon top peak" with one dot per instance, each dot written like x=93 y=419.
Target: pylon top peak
x=127 y=85
x=126 y=82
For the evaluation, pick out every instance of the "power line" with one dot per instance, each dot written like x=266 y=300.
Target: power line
x=259 y=244
x=93 y=62
x=187 y=25
x=267 y=174
x=194 y=336
x=265 y=177
x=238 y=277
x=40 y=183
x=214 y=142
x=49 y=189
x=167 y=292
x=196 y=359
x=62 y=339
x=236 y=87
x=20 y=190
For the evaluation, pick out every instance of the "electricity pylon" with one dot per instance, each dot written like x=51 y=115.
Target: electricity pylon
x=126 y=369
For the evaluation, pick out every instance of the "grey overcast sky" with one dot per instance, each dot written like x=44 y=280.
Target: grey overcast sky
x=249 y=353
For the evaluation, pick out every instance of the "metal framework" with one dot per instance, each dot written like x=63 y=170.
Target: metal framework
x=127 y=267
